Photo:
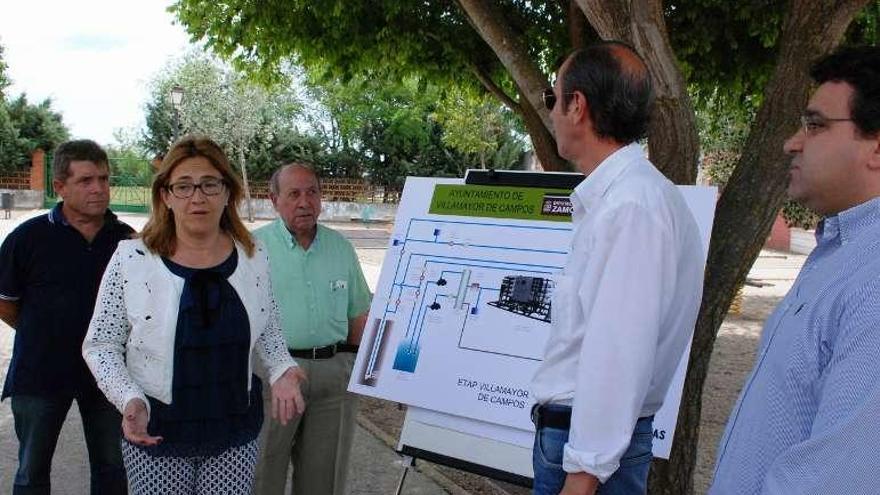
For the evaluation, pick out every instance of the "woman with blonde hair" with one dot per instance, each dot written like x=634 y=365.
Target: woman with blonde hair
x=182 y=314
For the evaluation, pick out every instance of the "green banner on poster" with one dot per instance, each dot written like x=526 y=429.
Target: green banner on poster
x=524 y=203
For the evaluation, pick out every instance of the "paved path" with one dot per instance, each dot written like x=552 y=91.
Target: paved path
x=375 y=467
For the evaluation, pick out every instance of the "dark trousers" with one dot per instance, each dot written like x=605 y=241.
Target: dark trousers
x=38 y=422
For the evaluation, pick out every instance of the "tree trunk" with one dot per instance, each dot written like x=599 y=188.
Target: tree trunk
x=244 y=180
x=488 y=20
x=673 y=144
x=580 y=32
x=746 y=210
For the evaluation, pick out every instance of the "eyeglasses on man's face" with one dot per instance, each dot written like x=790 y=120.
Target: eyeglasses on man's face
x=814 y=123
x=549 y=98
x=185 y=190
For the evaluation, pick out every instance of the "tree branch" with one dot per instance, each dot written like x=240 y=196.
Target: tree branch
x=488 y=20
x=487 y=82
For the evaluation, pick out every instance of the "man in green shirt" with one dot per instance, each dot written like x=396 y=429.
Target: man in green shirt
x=323 y=299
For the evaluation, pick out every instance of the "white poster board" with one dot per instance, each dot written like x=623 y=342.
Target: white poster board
x=461 y=315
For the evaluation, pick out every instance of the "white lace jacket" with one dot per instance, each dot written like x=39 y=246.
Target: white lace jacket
x=130 y=343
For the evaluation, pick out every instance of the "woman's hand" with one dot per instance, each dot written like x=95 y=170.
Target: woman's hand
x=134 y=424
x=287 y=399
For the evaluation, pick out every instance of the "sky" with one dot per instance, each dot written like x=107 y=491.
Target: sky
x=94 y=58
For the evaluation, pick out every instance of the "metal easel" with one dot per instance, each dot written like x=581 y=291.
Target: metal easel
x=408 y=461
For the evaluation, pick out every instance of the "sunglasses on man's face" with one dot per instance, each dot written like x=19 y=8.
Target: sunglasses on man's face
x=549 y=98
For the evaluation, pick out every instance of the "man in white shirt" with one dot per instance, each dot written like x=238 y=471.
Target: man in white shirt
x=626 y=301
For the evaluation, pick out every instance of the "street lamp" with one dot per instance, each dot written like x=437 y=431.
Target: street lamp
x=176 y=100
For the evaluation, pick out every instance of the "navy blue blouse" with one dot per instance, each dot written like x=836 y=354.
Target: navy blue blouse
x=211 y=409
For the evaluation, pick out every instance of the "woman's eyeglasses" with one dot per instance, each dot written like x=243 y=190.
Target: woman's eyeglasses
x=185 y=190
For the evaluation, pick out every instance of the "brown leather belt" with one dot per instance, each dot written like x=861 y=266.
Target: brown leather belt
x=326 y=352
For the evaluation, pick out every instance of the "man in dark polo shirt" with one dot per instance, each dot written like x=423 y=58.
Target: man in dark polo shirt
x=50 y=269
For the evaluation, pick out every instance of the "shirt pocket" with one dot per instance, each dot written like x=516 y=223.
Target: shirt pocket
x=339 y=300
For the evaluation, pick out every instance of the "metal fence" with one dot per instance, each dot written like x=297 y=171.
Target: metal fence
x=15 y=180
x=353 y=190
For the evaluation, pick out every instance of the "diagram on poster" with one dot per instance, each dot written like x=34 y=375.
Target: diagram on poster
x=462 y=308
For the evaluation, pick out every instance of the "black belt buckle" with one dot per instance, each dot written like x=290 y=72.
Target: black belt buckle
x=317 y=351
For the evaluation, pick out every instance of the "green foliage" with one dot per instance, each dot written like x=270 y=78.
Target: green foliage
x=129 y=170
x=389 y=40
x=433 y=41
x=390 y=129
x=732 y=43
x=4 y=79
x=798 y=215
x=38 y=126
x=159 y=130
x=723 y=126
x=726 y=49
x=386 y=123
x=341 y=39
x=476 y=125
x=285 y=146
x=243 y=117
x=729 y=48
x=25 y=127
x=130 y=163
x=865 y=28
x=365 y=126
x=511 y=154
x=11 y=149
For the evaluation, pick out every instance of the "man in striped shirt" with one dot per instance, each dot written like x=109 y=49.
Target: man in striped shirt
x=806 y=421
